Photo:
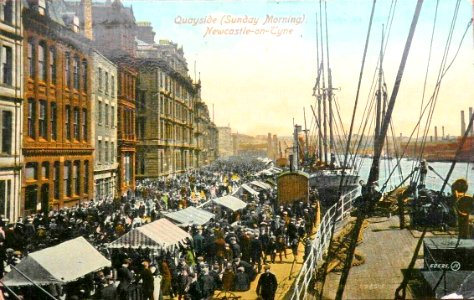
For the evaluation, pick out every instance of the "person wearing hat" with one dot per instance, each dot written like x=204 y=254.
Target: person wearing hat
x=256 y=252
x=267 y=284
x=241 y=280
x=125 y=277
x=228 y=278
x=147 y=281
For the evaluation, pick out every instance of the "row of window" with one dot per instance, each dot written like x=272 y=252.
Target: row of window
x=128 y=126
x=41 y=113
x=175 y=110
x=103 y=114
x=128 y=85
x=104 y=148
x=169 y=131
x=103 y=78
x=171 y=85
x=42 y=62
x=71 y=176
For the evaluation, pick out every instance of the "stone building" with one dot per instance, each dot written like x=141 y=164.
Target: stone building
x=11 y=108
x=205 y=132
x=114 y=30
x=165 y=108
x=57 y=137
x=226 y=142
x=104 y=125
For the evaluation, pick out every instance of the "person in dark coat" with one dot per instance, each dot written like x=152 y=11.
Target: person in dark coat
x=241 y=280
x=148 y=281
x=228 y=279
x=125 y=276
x=256 y=252
x=267 y=284
x=109 y=292
x=206 y=282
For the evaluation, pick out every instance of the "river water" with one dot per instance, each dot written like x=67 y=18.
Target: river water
x=461 y=170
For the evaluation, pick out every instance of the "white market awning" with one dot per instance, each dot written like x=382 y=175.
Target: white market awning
x=231 y=202
x=190 y=216
x=260 y=184
x=160 y=234
x=249 y=189
x=61 y=264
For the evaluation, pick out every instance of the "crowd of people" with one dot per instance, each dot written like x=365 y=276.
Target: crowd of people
x=226 y=254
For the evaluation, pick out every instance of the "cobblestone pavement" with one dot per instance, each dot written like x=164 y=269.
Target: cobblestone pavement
x=388 y=250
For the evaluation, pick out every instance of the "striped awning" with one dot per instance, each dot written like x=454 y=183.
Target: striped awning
x=190 y=216
x=161 y=234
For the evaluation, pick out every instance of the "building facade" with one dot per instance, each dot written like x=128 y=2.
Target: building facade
x=226 y=142
x=114 y=30
x=104 y=126
x=57 y=137
x=205 y=132
x=11 y=108
x=165 y=109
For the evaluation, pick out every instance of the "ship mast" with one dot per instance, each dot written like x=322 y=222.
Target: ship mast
x=325 y=129
x=379 y=113
x=330 y=95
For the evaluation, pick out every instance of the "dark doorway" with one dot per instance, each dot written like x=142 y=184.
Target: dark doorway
x=45 y=198
x=31 y=197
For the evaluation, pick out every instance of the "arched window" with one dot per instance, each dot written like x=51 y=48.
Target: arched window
x=42 y=61
x=76 y=73
x=52 y=65
x=31 y=58
x=84 y=76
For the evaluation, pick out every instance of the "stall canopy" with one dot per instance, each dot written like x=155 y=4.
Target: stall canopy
x=161 y=234
x=260 y=184
x=249 y=189
x=231 y=202
x=190 y=216
x=60 y=264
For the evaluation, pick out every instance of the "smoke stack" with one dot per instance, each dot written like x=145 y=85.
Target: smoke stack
x=87 y=7
x=442 y=128
x=436 y=133
x=470 y=116
x=463 y=123
x=291 y=163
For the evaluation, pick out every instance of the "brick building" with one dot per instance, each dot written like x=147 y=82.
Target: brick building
x=57 y=112
x=11 y=108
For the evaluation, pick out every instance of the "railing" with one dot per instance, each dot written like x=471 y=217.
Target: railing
x=340 y=211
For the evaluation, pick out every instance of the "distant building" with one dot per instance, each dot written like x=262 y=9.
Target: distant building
x=11 y=109
x=226 y=146
x=104 y=126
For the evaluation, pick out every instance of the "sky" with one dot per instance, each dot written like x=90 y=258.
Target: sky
x=257 y=60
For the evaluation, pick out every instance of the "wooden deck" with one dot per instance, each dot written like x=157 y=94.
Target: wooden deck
x=387 y=250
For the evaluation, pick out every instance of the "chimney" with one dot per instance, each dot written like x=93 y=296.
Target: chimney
x=463 y=123
x=87 y=13
x=145 y=32
x=436 y=133
x=472 y=127
x=442 y=137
